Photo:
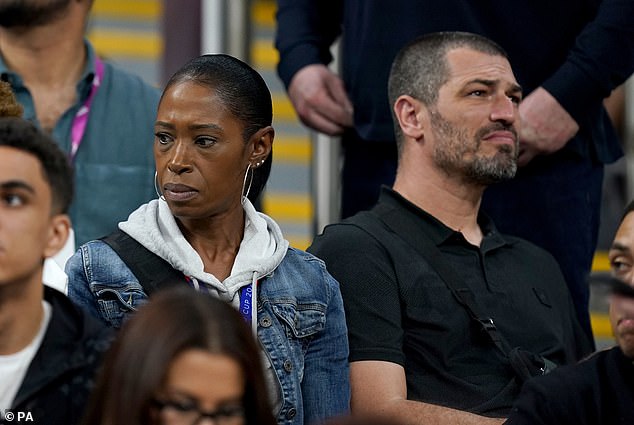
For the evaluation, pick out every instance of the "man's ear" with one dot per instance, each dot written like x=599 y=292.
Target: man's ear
x=410 y=113
x=262 y=142
x=58 y=232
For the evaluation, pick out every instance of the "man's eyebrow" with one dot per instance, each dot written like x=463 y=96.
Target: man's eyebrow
x=482 y=81
x=16 y=184
x=490 y=83
x=516 y=88
x=617 y=246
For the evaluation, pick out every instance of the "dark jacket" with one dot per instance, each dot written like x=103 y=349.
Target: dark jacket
x=579 y=59
x=599 y=390
x=60 y=377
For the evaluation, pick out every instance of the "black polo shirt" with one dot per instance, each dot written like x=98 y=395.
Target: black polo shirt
x=399 y=310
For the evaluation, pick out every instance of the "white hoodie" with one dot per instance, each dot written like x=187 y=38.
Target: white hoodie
x=262 y=249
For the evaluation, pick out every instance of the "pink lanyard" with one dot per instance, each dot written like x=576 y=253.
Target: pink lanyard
x=81 y=117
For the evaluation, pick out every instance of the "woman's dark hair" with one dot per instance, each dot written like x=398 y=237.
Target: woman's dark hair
x=242 y=91
x=174 y=320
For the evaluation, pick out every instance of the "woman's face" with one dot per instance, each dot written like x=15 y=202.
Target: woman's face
x=201 y=157
x=201 y=388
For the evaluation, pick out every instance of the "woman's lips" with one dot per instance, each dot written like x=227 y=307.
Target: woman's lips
x=178 y=192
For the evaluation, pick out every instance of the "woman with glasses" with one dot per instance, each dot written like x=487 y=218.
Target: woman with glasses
x=213 y=153
x=186 y=358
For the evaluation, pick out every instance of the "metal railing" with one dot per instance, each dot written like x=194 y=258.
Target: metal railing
x=226 y=27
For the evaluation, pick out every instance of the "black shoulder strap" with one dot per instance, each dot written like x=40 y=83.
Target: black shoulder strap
x=152 y=271
x=425 y=247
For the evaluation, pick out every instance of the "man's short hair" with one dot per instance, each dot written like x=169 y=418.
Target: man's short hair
x=22 y=135
x=420 y=68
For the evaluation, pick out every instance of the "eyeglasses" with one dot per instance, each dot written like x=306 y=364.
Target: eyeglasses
x=188 y=413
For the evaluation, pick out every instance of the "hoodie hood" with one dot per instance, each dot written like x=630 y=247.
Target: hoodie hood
x=262 y=248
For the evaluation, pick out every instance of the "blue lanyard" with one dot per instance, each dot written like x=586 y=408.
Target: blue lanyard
x=246 y=298
x=246 y=302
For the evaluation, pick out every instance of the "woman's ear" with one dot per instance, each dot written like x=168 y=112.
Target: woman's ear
x=262 y=143
x=58 y=232
x=410 y=114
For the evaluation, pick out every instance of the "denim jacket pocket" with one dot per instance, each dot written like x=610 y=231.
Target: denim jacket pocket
x=301 y=320
x=115 y=303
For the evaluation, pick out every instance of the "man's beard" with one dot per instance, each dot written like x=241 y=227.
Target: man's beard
x=456 y=152
x=31 y=13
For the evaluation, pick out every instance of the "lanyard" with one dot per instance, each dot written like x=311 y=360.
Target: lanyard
x=246 y=302
x=246 y=297
x=81 y=117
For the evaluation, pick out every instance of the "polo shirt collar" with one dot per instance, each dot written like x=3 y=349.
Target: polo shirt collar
x=439 y=233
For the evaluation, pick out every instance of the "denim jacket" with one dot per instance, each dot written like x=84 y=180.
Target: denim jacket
x=301 y=324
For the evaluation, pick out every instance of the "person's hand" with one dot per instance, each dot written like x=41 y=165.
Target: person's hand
x=545 y=126
x=320 y=100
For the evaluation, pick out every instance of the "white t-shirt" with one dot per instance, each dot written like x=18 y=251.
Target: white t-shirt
x=13 y=367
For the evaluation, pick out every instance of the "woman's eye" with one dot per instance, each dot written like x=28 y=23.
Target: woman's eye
x=163 y=138
x=205 y=141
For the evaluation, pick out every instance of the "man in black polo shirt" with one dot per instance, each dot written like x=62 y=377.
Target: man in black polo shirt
x=408 y=267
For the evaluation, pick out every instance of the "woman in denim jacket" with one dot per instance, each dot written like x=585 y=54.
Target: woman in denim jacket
x=212 y=147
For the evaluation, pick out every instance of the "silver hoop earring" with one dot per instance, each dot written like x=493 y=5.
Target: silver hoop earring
x=244 y=183
x=156 y=186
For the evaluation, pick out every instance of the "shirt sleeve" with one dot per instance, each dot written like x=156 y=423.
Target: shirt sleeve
x=305 y=31
x=369 y=289
x=601 y=59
